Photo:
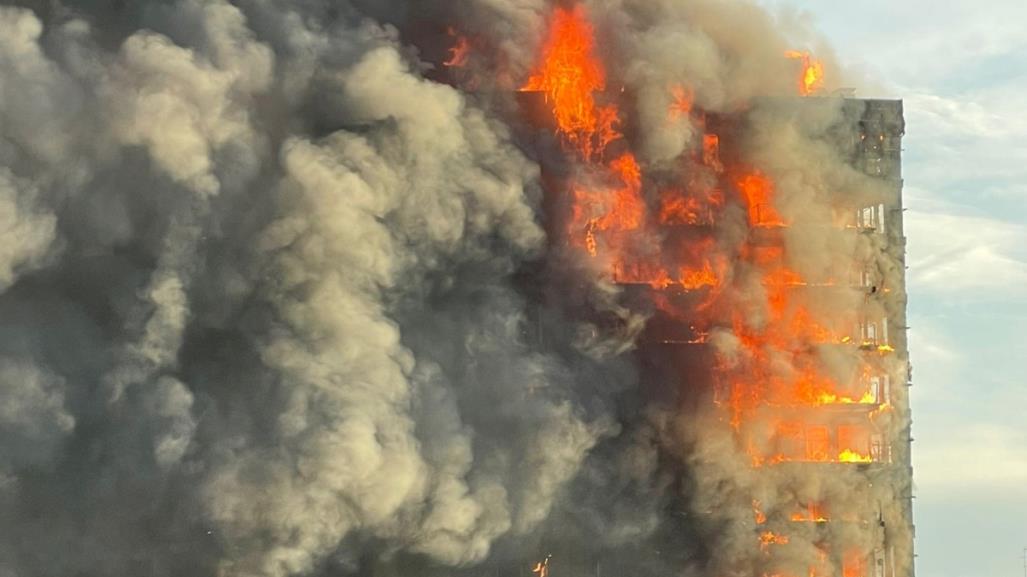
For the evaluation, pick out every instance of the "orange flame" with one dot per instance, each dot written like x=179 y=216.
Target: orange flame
x=698 y=278
x=679 y=209
x=711 y=152
x=834 y=399
x=854 y=565
x=696 y=207
x=811 y=514
x=628 y=209
x=850 y=456
x=570 y=75
x=683 y=100
x=798 y=441
x=776 y=362
x=459 y=52
x=812 y=78
x=758 y=191
x=768 y=538
x=757 y=513
x=609 y=208
x=619 y=208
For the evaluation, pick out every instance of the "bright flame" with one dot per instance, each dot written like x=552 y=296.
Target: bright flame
x=758 y=191
x=850 y=456
x=618 y=208
x=609 y=212
x=678 y=207
x=628 y=208
x=777 y=326
x=811 y=514
x=812 y=78
x=711 y=152
x=757 y=513
x=768 y=538
x=854 y=565
x=833 y=399
x=570 y=74
x=698 y=278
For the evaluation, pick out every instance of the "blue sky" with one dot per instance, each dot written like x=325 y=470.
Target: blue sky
x=961 y=69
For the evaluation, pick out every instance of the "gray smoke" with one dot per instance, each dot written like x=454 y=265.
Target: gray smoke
x=280 y=328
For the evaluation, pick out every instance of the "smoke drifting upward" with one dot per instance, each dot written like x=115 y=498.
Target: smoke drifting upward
x=332 y=288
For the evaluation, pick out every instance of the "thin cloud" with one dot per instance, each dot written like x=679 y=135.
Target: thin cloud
x=990 y=456
x=954 y=253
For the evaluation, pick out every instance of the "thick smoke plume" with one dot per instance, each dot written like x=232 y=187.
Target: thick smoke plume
x=282 y=293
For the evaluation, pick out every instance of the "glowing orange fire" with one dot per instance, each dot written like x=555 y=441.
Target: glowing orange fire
x=711 y=152
x=683 y=100
x=628 y=209
x=768 y=538
x=678 y=207
x=813 y=513
x=570 y=75
x=798 y=441
x=833 y=399
x=781 y=401
x=459 y=52
x=617 y=208
x=698 y=278
x=812 y=78
x=784 y=404
x=784 y=338
x=758 y=191
x=850 y=456
x=757 y=513
x=854 y=564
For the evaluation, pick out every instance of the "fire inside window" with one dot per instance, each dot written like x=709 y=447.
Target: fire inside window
x=873 y=333
x=711 y=152
x=818 y=443
x=879 y=388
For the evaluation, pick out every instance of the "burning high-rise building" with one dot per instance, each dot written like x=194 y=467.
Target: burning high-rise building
x=768 y=263
x=516 y=288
